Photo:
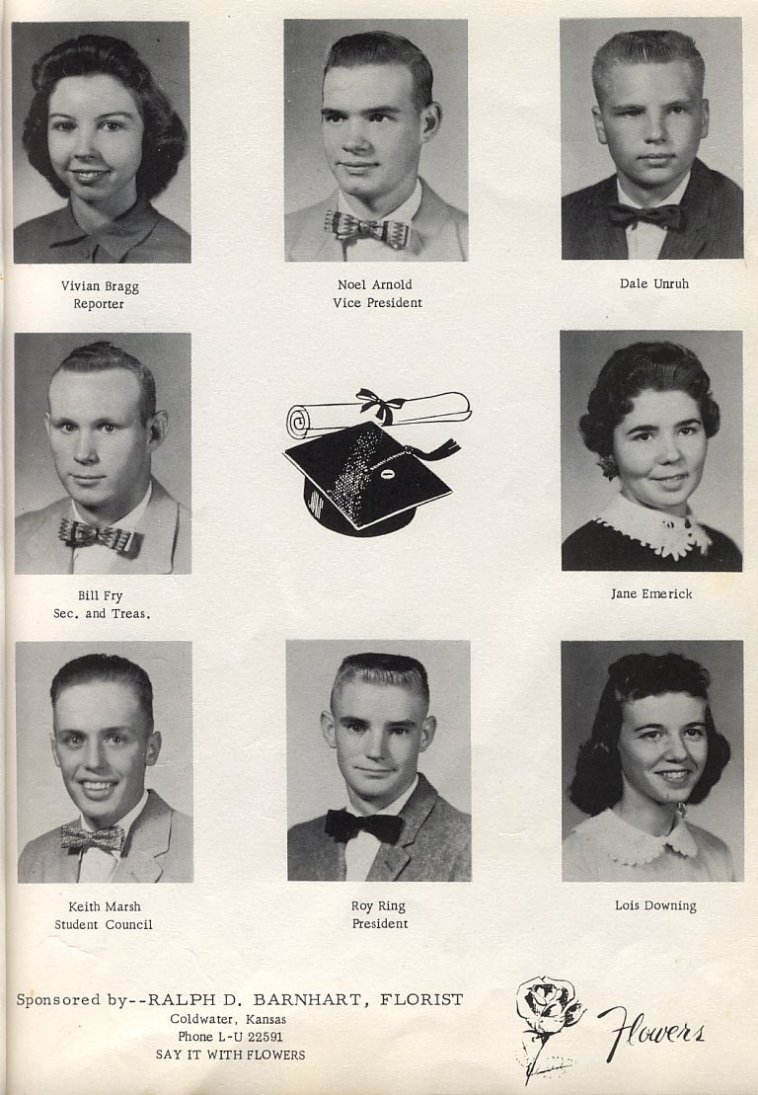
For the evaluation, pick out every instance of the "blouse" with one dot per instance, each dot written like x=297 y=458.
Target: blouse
x=606 y=848
x=142 y=234
x=627 y=536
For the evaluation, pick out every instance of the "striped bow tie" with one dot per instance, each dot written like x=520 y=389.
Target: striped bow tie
x=345 y=226
x=79 y=534
x=74 y=838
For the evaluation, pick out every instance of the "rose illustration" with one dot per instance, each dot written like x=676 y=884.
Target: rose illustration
x=547 y=1006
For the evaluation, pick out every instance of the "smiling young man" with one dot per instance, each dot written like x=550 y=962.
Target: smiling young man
x=663 y=202
x=103 y=427
x=396 y=827
x=377 y=113
x=103 y=741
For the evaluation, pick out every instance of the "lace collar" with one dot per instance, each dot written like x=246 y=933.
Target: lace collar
x=623 y=843
x=665 y=534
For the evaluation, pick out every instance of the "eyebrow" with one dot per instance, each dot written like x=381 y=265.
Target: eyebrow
x=683 y=100
x=405 y=724
x=102 y=730
x=651 y=427
x=369 y=110
x=662 y=726
x=99 y=117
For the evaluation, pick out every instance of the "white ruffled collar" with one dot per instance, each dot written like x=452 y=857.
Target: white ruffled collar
x=625 y=844
x=665 y=534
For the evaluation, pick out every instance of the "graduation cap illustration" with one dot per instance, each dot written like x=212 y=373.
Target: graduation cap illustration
x=360 y=481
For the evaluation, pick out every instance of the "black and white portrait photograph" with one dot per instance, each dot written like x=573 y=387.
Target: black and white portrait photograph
x=103 y=454
x=653 y=767
x=651 y=115
x=378 y=749
x=104 y=762
x=651 y=440
x=100 y=142
x=376 y=140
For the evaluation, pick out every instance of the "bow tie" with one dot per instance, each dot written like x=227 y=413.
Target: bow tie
x=343 y=826
x=664 y=216
x=79 y=534
x=108 y=840
x=345 y=226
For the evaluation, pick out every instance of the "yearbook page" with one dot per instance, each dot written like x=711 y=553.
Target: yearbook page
x=380 y=553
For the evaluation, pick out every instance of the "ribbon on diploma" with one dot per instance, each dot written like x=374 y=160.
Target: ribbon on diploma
x=312 y=419
x=384 y=407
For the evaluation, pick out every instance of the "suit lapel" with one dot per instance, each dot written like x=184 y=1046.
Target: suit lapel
x=49 y=554
x=392 y=859
x=149 y=838
x=428 y=223
x=608 y=240
x=696 y=207
x=314 y=243
x=159 y=530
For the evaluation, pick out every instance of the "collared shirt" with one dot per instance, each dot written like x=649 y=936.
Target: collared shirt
x=142 y=234
x=360 y=852
x=97 y=558
x=371 y=250
x=643 y=240
x=97 y=865
x=605 y=848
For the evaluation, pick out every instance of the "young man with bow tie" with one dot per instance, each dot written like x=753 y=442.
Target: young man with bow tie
x=663 y=202
x=103 y=741
x=397 y=828
x=103 y=427
x=377 y=113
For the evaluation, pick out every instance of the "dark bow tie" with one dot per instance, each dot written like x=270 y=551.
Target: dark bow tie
x=664 y=216
x=343 y=826
x=345 y=226
x=108 y=840
x=79 y=534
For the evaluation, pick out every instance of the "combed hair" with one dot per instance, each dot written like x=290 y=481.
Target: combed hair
x=380 y=47
x=645 y=47
x=390 y=669
x=644 y=366
x=108 y=668
x=164 y=140
x=98 y=357
x=597 y=783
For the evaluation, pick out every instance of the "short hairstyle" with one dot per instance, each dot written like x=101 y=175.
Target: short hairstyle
x=645 y=47
x=597 y=782
x=390 y=669
x=164 y=139
x=99 y=357
x=644 y=366
x=109 y=668
x=380 y=47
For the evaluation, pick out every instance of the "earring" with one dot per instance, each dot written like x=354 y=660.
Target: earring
x=608 y=466
x=681 y=809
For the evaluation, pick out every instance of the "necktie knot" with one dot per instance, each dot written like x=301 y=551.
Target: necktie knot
x=78 y=534
x=345 y=227
x=74 y=838
x=343 y=826
x=664 y=216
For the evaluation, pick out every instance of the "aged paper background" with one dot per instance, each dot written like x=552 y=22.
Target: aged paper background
x=481 y=566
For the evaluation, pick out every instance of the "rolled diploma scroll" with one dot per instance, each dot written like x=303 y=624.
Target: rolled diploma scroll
x=308 y=420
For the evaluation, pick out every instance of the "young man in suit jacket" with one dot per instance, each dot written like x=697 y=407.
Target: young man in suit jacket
x=401 y=829
x=377 y=113
x=103 y=427
x=103 y=741
x=663 y=202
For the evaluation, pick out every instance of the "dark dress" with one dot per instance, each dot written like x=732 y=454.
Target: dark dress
x=597 y=546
